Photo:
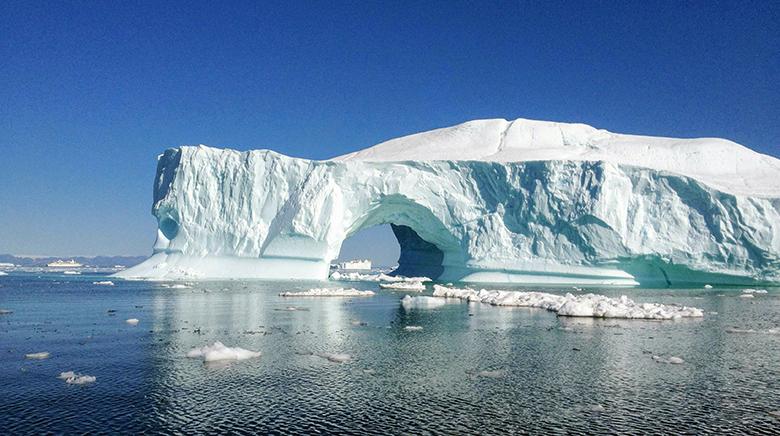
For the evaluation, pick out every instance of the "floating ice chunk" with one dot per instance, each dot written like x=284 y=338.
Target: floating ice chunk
x=405 y=286
x=587 y=305
x=39 y=356
x=104 y=283
x=775 y=413
x=6 y=312
x=674 y=360
x=596 y=408
x=707 y=286
x=72 y=273
x=335 y=357
x=381 y=277
x=754 y=291
x=747 y=296
x=409 y=302
x=218 y=351
x=132 y=321
x=324 y=292
x=72 y=378
x=413 y=328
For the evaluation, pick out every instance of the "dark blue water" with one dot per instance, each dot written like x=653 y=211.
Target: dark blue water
x=472 y=369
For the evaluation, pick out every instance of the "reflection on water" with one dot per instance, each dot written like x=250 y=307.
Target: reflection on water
x=472 y=368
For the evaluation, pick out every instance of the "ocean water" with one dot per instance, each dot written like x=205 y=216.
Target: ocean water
x=471 y=369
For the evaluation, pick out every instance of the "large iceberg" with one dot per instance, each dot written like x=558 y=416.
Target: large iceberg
x=485 y=201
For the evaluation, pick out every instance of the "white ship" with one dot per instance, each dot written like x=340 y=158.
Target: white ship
x=362 y=264
x=64 y=264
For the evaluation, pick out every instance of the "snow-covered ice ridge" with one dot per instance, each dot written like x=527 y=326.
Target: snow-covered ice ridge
x=587 y=305
x=485 y=201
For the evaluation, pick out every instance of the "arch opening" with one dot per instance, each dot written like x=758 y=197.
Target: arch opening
x=425 y=244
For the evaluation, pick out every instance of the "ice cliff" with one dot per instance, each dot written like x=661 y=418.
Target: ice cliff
x=488 y=200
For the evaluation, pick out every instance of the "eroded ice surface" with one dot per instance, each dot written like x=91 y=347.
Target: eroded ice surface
x=218 y=352
x=587 y=305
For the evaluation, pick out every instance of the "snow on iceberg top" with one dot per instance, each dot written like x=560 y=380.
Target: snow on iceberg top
x=720 y=163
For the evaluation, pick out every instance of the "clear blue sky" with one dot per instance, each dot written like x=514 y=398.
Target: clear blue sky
x=91 y=92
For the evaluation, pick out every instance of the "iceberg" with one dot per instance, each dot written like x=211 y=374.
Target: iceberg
x=520 y=201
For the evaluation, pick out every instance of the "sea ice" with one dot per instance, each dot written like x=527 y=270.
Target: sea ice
x=3 y=273
x=41 y=355
x=747 y=296
x=72 y=378
x=132 y=321
x=413 y=328
x=335 y=357
x=404 y=286
x=325 y=292
x=409 y=302
x=104 y=283
x=674 y=360
x=754 y=291
x=72 y=273
x=707 y=286
x=587 y=305
x=218 y=352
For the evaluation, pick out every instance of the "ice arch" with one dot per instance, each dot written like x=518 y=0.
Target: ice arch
x=426 y=244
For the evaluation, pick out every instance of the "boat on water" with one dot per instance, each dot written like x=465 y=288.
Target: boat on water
x=64 y=264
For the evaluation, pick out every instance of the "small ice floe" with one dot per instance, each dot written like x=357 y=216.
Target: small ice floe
x=707 y=286
x=6 y=312
x=132 y=321
x=104 y=283
x=381 y=277
x=413 y=328
x=356 y=323
x=324 y=292
x=409 y=302
x=775 y=413
x=674 y=360
x=38 y=356
x=3 y=273
x=586 y=305
x=335 y=357
x=72 y=273
x=754 y=291
x=218 y=352
x=72 y=378
x=404 y=286
x=747 y=296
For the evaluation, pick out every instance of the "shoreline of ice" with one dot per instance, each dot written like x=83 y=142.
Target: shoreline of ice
x=586 y=305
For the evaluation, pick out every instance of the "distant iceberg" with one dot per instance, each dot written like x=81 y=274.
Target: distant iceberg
x=520 y=201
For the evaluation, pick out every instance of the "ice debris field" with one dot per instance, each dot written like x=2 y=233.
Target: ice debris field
x=521 y=201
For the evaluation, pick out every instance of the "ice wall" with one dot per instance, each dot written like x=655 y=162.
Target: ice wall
x=259 y=214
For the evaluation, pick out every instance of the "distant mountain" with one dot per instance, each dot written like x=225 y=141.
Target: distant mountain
x=97 y=261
